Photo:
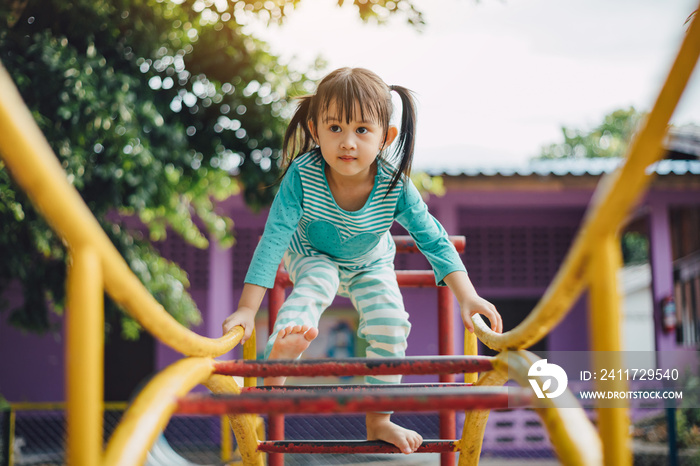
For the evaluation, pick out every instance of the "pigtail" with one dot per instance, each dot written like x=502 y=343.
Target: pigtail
x=407 y=135
x=298 y=138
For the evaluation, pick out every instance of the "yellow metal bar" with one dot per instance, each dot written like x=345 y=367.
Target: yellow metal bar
x=250 y=353
x=475 y=422
x=151 y=410
x=115 y=406
x=471 y=348
x=34 y=167
x=84 y=358
x=243 y=425
x=615 y=196
x=226 y=440
x=11 y=439
x=59 y=406
x=606 y=322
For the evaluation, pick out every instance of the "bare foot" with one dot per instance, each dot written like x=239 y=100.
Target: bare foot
x=380 y=427
x=290 y=343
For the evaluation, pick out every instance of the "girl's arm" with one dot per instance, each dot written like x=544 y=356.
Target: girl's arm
x=248 y=306
x=282 y=221
x=471 y=303
x=432 y=240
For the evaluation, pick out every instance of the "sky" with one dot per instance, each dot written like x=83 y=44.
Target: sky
x=497 y=79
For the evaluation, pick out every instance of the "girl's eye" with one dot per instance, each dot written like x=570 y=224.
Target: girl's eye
x=362 y=130
x=335 y=128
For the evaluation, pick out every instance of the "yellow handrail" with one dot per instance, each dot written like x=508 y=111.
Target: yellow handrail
x=152 y=409
x=606 y=318
x=84 y=357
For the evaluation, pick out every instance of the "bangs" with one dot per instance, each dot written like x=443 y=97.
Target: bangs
x=347 y=108
x=354 y=93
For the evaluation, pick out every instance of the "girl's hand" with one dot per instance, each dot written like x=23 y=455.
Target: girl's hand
x=475 y=304
x=245 y=317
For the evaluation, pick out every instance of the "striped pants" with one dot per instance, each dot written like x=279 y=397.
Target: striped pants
x=373 y=291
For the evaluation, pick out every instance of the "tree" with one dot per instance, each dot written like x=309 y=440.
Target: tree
x=609 y=139
x=155 y=109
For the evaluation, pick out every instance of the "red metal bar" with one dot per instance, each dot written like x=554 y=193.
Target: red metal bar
x=351 y=388
x=446 y=347
x=276 y=297
x=416 y=278
x=405 y=279
x=401 y=399
x=275 y=422
x=406 y=243
x=351 y=446
x=415 y=365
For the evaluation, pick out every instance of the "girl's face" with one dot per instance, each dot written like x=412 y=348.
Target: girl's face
x=350 y=148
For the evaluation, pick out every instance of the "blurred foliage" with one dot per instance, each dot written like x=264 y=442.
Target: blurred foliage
x=609 y=139
x=688 y=414
x=428 y=184
x=635 y=248
x=155 y=109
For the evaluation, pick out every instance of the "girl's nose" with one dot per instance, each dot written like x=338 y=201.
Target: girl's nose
x=348 y=143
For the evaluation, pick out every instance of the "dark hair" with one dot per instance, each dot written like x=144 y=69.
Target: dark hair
x=344 y=87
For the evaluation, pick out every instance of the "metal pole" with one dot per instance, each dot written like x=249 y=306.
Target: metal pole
x=672 y=435
x=446 y=347
x=8 y=428
x=84 y=358
x=275 y=426
x=606 y=324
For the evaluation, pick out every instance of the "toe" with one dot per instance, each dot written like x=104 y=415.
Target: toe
x=417 y=441
x=404 y=446
x=311 y=333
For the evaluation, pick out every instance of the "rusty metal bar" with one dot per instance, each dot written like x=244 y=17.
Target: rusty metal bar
x=407 y=244
x=391 y=399
x=275 y=422
x=405 y=279
x=446 y=347
x=355 y=366
x=351 y=446
x=350 y=388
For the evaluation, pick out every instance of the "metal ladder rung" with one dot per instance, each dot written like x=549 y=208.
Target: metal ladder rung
x=379 y=399
x=416 y=365
x=350 y=388
x=350 y=446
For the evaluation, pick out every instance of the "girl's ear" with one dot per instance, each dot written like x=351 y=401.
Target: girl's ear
x=391 y=134
x=312 y=130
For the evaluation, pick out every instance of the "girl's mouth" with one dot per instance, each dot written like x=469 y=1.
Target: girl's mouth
x=346 y=158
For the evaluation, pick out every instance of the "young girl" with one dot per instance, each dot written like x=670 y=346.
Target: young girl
x=329 y=224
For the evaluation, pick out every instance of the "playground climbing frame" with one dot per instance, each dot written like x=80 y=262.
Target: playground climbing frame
x=96 y=266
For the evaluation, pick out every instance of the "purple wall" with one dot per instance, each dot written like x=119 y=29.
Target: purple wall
x=31 y=366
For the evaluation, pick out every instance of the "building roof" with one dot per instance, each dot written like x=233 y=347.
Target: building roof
x=682 y=158
x=570 y=167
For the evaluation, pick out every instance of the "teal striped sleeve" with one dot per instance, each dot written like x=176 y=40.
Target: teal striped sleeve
x=282 y=222
x=430 y=237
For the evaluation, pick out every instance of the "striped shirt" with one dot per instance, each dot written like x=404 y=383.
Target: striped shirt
x=305 y=218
